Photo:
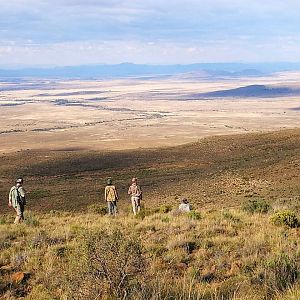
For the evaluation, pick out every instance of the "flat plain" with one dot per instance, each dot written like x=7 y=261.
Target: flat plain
x=138 y=112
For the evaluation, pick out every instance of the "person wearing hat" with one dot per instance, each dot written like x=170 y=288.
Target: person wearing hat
x=135 y=192
x=16 y=199
x=111 y=197
x=184 y=206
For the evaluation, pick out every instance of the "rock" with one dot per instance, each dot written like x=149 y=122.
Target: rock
x=18 y=277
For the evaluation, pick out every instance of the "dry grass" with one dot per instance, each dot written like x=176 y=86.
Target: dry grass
x=224 y=255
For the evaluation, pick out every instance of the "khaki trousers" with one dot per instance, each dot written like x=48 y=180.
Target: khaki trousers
x=20 y=213
x=136 y=204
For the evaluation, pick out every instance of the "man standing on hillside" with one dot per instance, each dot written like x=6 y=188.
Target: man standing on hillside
x=16 y=199
x=111 y=197
x=136 y=196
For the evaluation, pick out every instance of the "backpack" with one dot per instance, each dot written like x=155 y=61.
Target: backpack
x=20 y=200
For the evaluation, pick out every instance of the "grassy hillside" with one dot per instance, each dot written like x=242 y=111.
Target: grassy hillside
x=221 y=171
x=241 y=242
x=209 y=255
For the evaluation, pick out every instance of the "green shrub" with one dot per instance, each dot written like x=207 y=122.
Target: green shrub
x=97 y=209
x=165 y=208
x=194 y=215
x=286 y=218
x=257 y=206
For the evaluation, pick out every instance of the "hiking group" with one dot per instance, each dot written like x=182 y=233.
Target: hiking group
x=16 y=198
x=111 y=196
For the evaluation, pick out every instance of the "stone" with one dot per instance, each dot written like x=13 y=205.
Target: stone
x=18 y=277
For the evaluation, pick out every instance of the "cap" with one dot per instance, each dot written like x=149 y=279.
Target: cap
x=184 y=200
x=19 y=180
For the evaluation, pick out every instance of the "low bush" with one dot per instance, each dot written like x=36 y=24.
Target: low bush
x=285 y=218
x=257 y=206
x=111 y=264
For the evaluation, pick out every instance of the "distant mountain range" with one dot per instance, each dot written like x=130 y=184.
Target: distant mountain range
x=138 y=70
x=251 y=91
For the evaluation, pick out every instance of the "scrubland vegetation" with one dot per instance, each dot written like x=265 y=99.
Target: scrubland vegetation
x=241 y=242
x=160 y=254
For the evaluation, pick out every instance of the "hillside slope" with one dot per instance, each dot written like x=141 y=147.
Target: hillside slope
x=222 y=171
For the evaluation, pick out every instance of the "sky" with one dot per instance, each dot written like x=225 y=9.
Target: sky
x=78 y=32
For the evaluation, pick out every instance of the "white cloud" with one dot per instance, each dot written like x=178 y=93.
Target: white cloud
x=160 y=52
x=48 y=31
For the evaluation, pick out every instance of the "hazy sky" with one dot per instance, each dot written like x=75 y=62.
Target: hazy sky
x=71 y=32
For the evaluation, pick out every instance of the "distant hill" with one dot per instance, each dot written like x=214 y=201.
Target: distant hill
x=130 y=69
x=251 y=91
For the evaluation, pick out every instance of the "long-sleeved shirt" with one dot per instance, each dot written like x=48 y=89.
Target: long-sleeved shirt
x=13 y=195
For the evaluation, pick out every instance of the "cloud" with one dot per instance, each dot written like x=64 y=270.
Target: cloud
x=160 y=52
x=195 y=24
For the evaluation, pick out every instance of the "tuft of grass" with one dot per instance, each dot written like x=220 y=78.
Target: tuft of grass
x=194 y=215
x=230 y=217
